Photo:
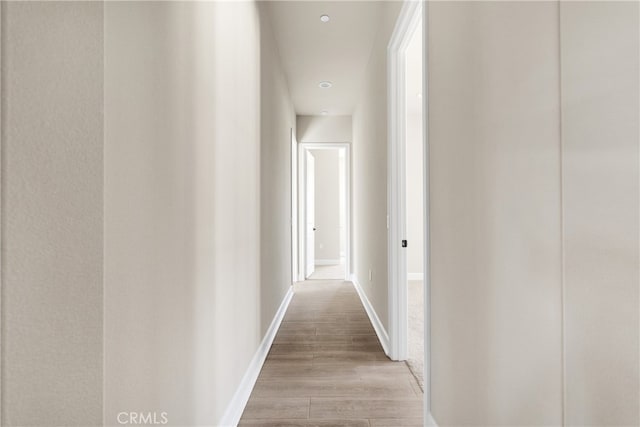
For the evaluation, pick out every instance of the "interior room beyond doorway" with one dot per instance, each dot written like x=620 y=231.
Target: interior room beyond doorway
x=329 y=238
x=325 y=212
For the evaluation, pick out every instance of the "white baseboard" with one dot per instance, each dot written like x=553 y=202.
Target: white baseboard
x=415 y=276
x=235 y=408
x=373 y=316
x=327 y=262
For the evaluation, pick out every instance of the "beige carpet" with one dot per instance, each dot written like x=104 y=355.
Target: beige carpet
x=328 y=272
x=416 y=331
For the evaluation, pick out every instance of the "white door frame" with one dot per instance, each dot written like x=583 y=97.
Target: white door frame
x=406 y=25
x=410 y=15
x=294 y=206
x=303 y=147
x=310 y=221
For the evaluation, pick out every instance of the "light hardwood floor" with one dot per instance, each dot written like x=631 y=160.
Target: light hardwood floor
x=327 y=368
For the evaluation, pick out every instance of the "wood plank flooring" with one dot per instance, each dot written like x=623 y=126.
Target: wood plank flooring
x=327 y=368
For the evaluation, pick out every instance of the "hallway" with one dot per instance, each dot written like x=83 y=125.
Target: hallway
x=327 y=368
x=160 y=214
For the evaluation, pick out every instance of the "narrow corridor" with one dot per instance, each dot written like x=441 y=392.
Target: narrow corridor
x=327 y=368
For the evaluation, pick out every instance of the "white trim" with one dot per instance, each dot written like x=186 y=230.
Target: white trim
x=407 y=23
x=327 y=261
x=302 y=209
x=303 y=147
x=235 y=408
x=428 y=415
x=294 y=205
x=381 y=332
x=415 y=276
x=410 y=15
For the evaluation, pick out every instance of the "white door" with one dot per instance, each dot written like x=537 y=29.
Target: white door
x=310 y=208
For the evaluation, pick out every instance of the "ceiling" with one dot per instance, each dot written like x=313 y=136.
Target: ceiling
x=312 y=51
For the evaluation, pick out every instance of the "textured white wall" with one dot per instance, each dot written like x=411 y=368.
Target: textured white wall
x=600 y=165
x=52 y=142
x=494 y=120
x=369 y=165
x=192 y=92
x=180 y=212
x=324 y=128
x=533 y=132
x=327 y=205
x=277 y=120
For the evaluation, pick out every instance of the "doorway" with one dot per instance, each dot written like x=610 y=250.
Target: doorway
x=324 y=244
x=408 y=195
x=414 y=206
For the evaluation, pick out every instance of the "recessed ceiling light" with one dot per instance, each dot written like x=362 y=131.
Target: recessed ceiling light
x=419 y=95
x=324 y=112
x=325 y=18
x=325 y=84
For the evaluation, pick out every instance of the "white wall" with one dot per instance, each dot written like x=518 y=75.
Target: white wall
x=277 y=120
x=52 y=239
x=495 y=198
x=369 y=165
x=415 y=198
x=600 y=171
x=414 y=156
x=197 y=125
x=324 y=128
x=327 y=205
x=534 y=213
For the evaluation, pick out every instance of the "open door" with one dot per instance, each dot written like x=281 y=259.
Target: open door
x=310 y=214
x=337 y=262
